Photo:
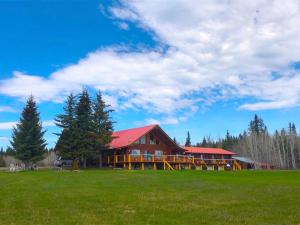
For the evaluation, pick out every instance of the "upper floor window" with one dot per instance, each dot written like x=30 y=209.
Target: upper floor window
x=143 y=140
x=152 y=139
x=157 y=141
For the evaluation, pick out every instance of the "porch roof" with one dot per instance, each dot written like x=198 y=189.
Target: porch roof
x=201 y=150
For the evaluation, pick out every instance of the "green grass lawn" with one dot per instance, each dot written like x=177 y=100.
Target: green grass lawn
x=150 y=197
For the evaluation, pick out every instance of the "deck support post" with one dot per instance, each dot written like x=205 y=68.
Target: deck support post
x=164 y=166
x=143 y=166
x=190 y=166
x=179 y=166
x=154 y=166
x=129 y=162
x=114 y=159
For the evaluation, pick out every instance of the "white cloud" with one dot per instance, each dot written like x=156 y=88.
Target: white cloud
x=228 y=48
x=123 y=26
x=7 y=125
x=11 y=124
x=4 y=139
x=7 y=109
x=166 y=121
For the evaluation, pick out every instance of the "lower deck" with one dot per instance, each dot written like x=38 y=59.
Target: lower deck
x=169 y=162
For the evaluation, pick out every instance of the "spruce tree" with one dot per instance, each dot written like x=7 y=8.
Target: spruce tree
x=67 y=119
x=85 y=136
x=102 y=125
x=257 y=126
x=175 y=141
x=204 y=142
x=27 y=137
x=66 y=145
x=188 y=140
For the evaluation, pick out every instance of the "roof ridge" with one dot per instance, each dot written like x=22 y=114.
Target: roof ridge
x=152 y=125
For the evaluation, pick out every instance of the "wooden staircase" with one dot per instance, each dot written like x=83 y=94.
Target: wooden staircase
x=168 y=164
x=236 y=165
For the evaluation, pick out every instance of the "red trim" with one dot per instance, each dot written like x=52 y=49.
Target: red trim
x=208 y=150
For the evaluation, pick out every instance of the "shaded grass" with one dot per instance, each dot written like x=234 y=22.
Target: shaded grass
x=150 y=197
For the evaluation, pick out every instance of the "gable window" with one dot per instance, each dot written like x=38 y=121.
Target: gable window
x=157 y=141
x=143 y=140
x=152 y=139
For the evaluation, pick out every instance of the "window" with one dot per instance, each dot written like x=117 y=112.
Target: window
x=158 y=154
x=147 y=155
x=143 y=140
x=157 y=142
x=135 y=152
x=151 y=139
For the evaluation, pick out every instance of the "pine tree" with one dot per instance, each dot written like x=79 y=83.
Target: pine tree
x=188 y=140
x=257 y=126
x=102 y=125
x=204 y=142
x=85 y=136
x=66 y=145
x=10 y=151
x=27 y=138
x=175 y=141
x=67 y=119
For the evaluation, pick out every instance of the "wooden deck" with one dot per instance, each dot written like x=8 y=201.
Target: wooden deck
x=170 y=162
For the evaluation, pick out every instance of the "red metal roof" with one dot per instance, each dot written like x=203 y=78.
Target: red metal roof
x=124 y=138
x=217 y=151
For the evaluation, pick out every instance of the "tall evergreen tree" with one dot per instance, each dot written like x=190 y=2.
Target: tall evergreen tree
x=67 y=119
x=84 y=121
x=27 y=138
x=188 y=140
x=204 y=142
x=102 y=125
x=175 y=141
x=257 y=125
x=66 y=145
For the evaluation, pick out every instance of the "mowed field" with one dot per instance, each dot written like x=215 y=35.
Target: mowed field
x=150 y=197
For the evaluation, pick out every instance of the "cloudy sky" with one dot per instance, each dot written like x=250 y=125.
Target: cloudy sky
x=197 y=65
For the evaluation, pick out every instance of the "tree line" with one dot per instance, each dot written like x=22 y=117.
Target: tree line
x=86 y=130
x=280 y=149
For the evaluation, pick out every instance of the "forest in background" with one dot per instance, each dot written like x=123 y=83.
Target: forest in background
x=280 y=149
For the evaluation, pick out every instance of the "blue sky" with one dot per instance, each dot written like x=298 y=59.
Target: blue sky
x=205 y=68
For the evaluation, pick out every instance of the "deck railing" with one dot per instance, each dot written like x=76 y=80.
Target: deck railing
x=144 y=158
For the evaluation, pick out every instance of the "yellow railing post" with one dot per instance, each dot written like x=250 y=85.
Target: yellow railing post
x=129 y=162
x=153 y=158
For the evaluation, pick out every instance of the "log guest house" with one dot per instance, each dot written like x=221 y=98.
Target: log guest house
x=150 y=147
